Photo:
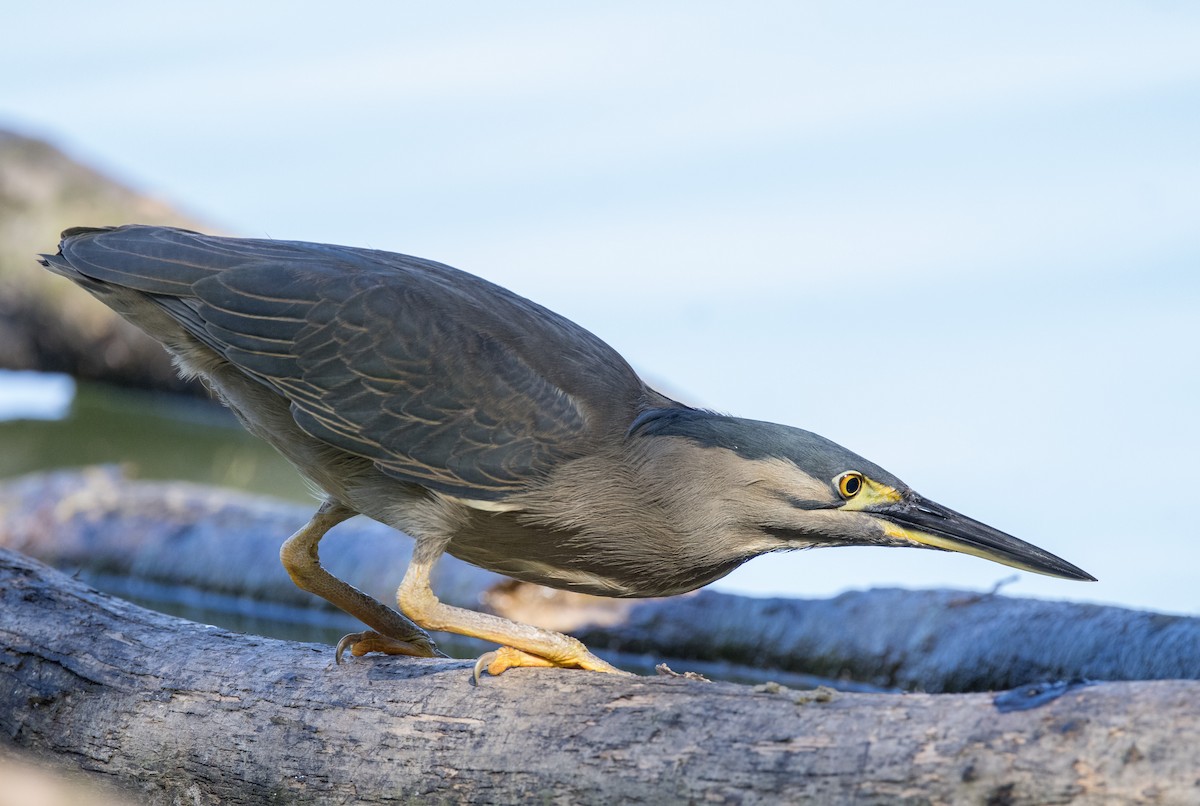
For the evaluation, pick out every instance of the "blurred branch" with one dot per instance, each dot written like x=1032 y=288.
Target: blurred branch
x=46 y=323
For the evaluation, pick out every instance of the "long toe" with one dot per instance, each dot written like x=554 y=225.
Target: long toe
x=360 y=643
x=503 y=658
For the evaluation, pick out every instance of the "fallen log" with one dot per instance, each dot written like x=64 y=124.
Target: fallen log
x=170 y=542
x=173 y=711
x=932 y=640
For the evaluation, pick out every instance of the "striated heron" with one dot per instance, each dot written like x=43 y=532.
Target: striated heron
x=486 y=426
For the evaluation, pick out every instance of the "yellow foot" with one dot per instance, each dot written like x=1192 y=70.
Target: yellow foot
x=360 y=643
x=505 y=657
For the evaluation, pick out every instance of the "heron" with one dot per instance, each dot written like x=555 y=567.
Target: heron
x=493 y=429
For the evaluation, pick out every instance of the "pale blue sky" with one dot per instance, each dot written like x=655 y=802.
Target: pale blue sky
x=960 y=239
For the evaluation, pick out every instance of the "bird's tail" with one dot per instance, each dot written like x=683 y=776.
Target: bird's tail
x=140 y=258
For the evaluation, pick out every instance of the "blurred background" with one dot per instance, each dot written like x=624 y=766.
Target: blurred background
x=959 y=239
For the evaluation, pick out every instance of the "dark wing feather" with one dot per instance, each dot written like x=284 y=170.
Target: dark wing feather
x=439 y=377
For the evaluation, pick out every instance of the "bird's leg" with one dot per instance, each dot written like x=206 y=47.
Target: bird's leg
x=391 y=632
x=522 y=644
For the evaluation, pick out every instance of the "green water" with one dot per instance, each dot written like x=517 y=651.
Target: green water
x=152 y=436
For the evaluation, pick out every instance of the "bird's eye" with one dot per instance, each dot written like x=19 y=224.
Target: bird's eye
x=849 y=484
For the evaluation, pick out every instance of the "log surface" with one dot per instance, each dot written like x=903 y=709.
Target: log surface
x=178 y=712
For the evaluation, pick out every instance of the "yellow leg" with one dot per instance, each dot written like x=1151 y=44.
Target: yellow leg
x=523 y=644
x=391 y=632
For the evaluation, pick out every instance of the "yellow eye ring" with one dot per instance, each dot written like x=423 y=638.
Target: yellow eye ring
x=850 y=484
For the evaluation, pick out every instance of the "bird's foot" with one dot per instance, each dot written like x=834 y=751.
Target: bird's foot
x=360 y=643
x=506 y=657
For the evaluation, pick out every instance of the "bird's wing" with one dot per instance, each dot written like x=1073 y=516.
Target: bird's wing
x=437 y=376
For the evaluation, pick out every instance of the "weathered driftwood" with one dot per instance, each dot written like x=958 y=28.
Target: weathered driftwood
x=191 y=542
x=932 y=641
x=177 y=712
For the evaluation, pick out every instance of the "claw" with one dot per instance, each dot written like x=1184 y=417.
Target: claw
x=480 y=664
x=345 y=641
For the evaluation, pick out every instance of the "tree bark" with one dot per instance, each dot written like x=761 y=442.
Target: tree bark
x=173 y=711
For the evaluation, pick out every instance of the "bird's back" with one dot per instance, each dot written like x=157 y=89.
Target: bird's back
x=437 y=376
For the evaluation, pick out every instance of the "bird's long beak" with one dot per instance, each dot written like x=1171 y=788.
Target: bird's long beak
x=928 y=524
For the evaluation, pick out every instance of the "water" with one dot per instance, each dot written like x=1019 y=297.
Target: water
x=35 y=395
x=49 y=422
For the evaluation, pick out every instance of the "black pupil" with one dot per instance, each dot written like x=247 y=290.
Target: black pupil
x=851 y=485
